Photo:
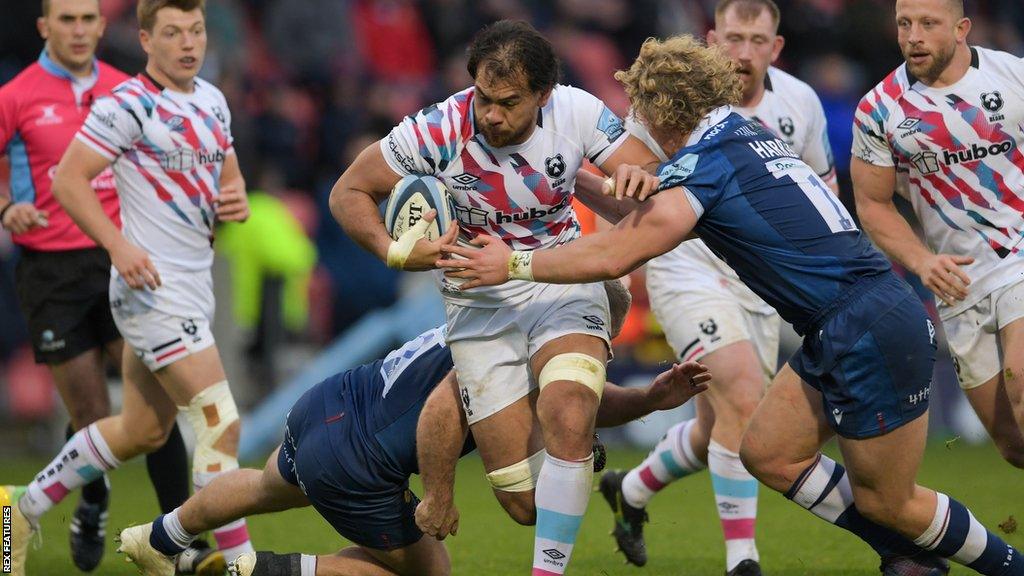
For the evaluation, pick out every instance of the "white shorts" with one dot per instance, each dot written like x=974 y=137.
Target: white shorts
x=167 y=324
x=973 y=334
x=492 y=347
x=701 y=318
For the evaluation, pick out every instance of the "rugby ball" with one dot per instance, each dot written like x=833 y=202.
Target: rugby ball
x=411 y=199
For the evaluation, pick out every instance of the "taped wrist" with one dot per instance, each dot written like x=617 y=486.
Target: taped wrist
x=520 y=265
x=399 y=250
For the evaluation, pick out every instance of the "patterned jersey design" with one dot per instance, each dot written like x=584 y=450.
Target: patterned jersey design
x=520 y=193
x=956 y=151
x=168 y=150
x=792 y=111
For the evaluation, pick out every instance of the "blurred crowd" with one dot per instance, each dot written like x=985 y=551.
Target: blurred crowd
x=312 y=82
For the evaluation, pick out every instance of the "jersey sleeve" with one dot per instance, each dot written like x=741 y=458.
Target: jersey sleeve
x=600 y=131
x=698 y=177
x=869 y=142
x=225 y=111
x=818 y=151
x=113 y=126
x=426 y=142
x=8 y=118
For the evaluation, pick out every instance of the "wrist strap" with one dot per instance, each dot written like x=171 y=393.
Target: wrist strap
x=399 y=250
x=520 y=265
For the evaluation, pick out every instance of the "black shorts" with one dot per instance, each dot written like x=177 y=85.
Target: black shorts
x=64 y=298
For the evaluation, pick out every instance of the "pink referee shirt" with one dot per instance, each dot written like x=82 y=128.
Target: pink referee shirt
x=41 y=110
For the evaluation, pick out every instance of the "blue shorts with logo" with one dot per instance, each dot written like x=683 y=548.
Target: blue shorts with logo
x=324 y=455
x=870 y=354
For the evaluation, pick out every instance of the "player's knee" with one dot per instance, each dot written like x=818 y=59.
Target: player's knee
x=214 y=419
x=149 y=438
x=882 y=508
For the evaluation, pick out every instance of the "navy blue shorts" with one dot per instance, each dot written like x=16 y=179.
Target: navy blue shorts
x=323 y=454
x=871 y=358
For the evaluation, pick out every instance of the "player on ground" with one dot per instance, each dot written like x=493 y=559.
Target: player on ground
x=62 y=275
x=709 y=315
x=349 y=449
x=865 y=367
x=947 y=125
x=167 y=134
x=508 y=149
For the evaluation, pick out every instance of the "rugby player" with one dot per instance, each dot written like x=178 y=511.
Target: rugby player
x=946 y=129
x=349 y=449
x=62 y=276
x=864 y=370
x=508 y=149
x=167 y=134
x=709 y=315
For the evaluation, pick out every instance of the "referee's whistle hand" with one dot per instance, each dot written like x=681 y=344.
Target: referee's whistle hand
x=23 y=217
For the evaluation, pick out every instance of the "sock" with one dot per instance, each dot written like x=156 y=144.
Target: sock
x=94 y=492
x=307 y=565
x=736 y=497
x=824 y=489
x=83 y=459
x=673 y=458
x=955 y=534
x=168 y=470
x=233 y=539
x=563 y=490
x=168 y=536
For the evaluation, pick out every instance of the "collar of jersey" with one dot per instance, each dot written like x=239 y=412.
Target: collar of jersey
x=51 y=66
x=712 y=119
x=975 y=64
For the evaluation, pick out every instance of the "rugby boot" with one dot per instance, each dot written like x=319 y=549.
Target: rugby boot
x=135 y=546
x=629 y=521
x=600 y=454
x=21 y=529
x=266 y=564
x=88 y=534
x=199 y=559
x=922 y=564
x=746 y=568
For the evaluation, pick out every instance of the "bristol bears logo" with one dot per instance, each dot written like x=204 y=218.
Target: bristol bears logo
x=708 y=327
x=786 y=126
x=992 y=101
x=555 y=166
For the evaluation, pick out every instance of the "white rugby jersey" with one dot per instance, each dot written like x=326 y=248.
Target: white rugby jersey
x=521 y=193
x=791 y=109
x=167 y=149
x=957 y=155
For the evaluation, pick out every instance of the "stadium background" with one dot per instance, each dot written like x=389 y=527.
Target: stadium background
x=311 y=82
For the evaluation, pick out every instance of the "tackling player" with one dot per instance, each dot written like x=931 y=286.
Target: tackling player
x=167 y=134
x=864 y=370
x=709 y=315
x=62 y=276
x=945 y=128
x=349 y=450
x=508 y=149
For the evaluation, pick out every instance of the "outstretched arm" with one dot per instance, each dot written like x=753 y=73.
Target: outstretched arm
x=672 y=388
x=440 y=436
x=655 y=227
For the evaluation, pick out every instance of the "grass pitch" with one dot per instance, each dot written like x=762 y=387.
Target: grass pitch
x=683 y=537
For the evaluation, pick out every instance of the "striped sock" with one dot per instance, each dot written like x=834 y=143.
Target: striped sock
x=563 y=490
x=824 y=489
x=673 y=458
x=83 y=459
x=736 y=497
x=955 y=534
x=168 y=536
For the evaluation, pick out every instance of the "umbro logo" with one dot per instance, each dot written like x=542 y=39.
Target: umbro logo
x=466 y=180
x=909 y=123
x=553 y=554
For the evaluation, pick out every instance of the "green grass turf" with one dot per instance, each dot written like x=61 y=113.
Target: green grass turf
x=683 y=537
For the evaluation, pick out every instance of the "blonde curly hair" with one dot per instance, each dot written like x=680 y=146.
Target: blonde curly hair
x=674 y=83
